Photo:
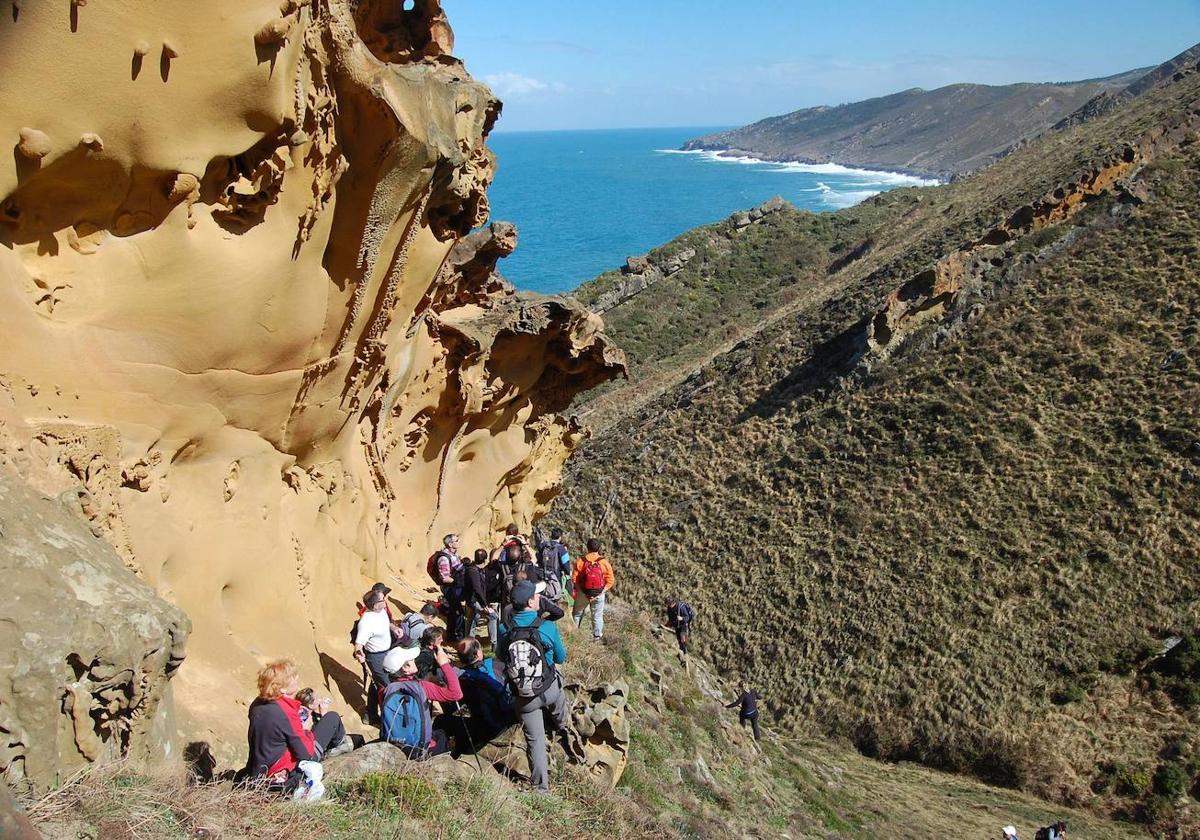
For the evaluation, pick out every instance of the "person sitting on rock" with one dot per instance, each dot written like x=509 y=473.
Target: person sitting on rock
x=679 y=619
x=427 y=664
x=530 y=649
x=416 y=623
x=484 y=694
x=407 y=713
x=748 y=700
x=278 y=738
x=592 y=578
x=1054 y=831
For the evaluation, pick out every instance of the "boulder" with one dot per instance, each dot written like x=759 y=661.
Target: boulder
x=89 y=649
x=382 y=757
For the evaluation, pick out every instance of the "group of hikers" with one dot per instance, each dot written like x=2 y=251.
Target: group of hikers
x=518 y=590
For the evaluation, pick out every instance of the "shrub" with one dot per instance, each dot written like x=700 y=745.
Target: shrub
x=392 y=793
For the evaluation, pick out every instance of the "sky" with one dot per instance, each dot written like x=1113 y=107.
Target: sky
x=564 y=64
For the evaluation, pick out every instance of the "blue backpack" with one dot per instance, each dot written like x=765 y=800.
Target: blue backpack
x=405 y=717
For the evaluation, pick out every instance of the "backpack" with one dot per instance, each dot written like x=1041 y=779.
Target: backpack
x=405 y=717
x=431 y=568
x=684 y=614
x=526 y=670
x=593 y=577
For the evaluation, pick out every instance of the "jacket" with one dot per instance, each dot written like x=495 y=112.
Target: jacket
x=476 y=594
x=748 y=700
x=276 y=739
x=556 y=651
x=581 y=564
x=546 y=608
x=486 y=695
x=680 y=616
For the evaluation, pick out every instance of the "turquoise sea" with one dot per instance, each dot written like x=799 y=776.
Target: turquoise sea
x=585 y=200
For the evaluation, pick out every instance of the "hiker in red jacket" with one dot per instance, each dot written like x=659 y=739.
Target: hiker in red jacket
x=401 y=664
x=592 y=578
x=278 y=739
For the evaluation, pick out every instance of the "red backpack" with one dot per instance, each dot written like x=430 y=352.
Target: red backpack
x=593 y=577
x=431 y=566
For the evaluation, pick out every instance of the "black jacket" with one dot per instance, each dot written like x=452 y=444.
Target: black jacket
x=270 y=735
x=476 y=592
x=748 y=701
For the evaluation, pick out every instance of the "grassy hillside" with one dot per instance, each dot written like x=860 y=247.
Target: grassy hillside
x=693 y=772
x=951 y=130
x=957 y=523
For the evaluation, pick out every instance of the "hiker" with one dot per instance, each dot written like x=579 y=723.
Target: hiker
x=372 y=641
x=556 y=557
x=415 y=624
x=1054 y=831
x=493 y=579
x=484 y=694
x=513 y=554
x=278 y=740
x=679 y=619
x=475 y=591
x=530 y=647
x=446 y=569
x=407 y=718
x=427 y=664
x=592 y=578
x=748 y=700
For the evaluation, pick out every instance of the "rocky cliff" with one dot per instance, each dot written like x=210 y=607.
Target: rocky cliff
x=241 y=311
x=88 y=648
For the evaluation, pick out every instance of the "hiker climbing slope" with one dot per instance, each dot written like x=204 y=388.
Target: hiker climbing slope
x=748 y=714
x=530 y=649
x=592 y=578
x=679 y=618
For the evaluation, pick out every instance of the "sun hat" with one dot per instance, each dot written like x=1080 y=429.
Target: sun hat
x=397 y=656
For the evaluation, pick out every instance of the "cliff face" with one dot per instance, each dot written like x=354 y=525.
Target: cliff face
x=230 y=316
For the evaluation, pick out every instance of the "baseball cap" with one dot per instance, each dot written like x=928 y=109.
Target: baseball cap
x=382 y=587
x=522 y=592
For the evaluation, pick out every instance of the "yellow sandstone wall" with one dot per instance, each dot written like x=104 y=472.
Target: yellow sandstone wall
x=226 y=309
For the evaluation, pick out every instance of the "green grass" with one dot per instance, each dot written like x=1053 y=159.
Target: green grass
x=966 y=555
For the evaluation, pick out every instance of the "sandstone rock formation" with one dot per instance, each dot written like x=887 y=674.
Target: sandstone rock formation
x=88 y=648
x=230 y=316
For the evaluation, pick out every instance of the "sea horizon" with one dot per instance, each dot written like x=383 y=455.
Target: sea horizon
x=584 y=200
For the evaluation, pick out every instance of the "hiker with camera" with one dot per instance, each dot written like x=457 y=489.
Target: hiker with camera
x=407 y=712
x=530 y=648
x=592 y=578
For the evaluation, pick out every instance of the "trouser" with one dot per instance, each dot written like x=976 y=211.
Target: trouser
x=753 y=721
x=452 y=600
x=328 y=732
x=681 y=636
x=582 y=601
x=493 y=620
x=379 y=680
x=533 y=720
x=473 y=614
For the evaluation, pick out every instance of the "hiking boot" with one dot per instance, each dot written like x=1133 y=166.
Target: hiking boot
x=366 y=719
x=341 y=748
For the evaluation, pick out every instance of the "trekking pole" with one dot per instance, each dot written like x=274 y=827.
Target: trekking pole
x=471 y=741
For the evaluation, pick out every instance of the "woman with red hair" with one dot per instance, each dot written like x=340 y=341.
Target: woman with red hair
x=282 y=732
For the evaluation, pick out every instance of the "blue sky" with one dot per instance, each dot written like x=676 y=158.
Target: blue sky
x=623 y=63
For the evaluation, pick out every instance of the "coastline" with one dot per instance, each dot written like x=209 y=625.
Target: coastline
x=735 y=155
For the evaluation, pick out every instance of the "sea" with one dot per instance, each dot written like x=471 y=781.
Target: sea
x=583 y=201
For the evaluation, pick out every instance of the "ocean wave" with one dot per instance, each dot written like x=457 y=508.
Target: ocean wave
x=866 y=177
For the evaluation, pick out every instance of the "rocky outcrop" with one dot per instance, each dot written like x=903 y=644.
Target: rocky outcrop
x=641 y=272
x=89 y=649
x=243 y=312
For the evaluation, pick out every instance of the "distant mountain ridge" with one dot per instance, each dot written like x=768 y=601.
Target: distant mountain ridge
x=941 y=133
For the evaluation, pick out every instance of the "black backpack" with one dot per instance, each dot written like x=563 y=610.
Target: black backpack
x=525 y=669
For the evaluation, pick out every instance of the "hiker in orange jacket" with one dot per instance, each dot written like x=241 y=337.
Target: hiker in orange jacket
x=591 y=578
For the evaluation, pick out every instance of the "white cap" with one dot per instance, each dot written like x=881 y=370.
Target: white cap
x=1009 y=831
x=397 y=656
x=539 y=587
